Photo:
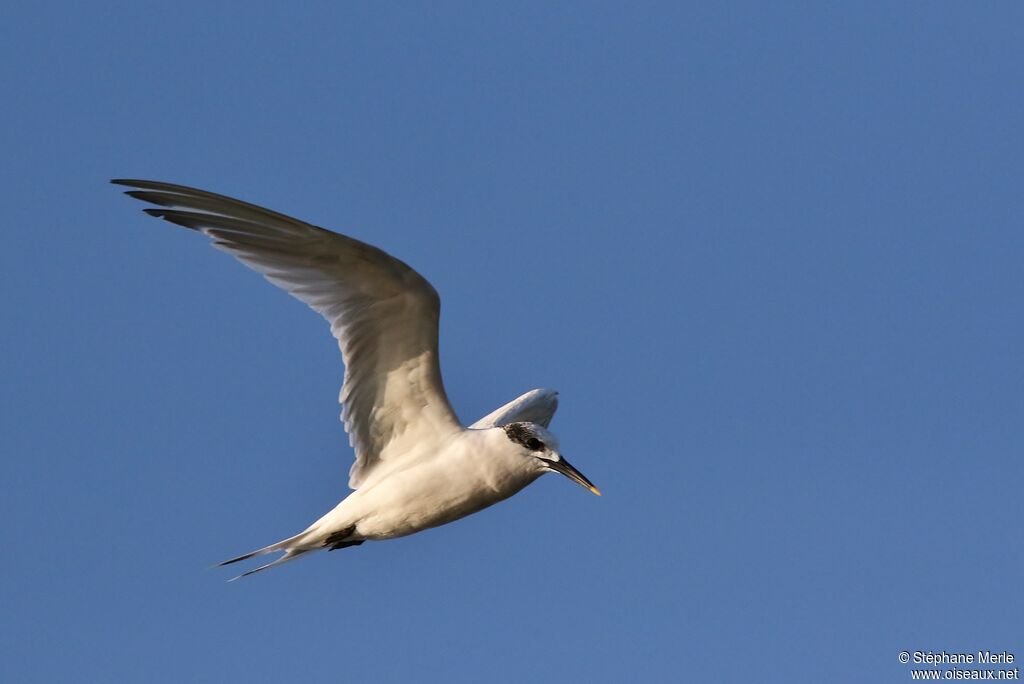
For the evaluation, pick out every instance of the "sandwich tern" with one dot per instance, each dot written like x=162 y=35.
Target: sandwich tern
x=416 y=465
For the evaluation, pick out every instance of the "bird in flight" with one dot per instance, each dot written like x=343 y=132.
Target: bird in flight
x=416 y=465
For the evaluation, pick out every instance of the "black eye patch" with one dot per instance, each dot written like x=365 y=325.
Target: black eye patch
x=521 y=434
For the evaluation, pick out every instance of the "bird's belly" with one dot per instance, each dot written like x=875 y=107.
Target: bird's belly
x=418 y=499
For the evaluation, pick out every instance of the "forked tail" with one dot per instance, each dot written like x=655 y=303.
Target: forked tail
x=293 y=547
x=311 y=539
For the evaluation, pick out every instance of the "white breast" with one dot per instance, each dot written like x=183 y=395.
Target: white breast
x=470 y=473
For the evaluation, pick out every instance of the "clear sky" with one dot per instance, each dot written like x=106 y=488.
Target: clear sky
x=770 y=255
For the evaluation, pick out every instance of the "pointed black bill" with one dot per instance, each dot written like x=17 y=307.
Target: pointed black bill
x=566 y=468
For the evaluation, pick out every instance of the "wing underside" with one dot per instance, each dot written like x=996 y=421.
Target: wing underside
x=383 y=314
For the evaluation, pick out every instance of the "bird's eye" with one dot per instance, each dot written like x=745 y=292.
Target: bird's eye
x=534 y=444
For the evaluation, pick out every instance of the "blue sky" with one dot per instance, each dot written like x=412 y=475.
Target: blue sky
x=770 y=254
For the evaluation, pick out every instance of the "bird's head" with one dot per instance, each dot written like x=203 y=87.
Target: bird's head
x=541 y=447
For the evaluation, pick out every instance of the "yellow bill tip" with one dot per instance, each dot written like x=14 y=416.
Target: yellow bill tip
x=595 y=490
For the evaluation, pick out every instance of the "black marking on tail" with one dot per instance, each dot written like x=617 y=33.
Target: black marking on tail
x=240 y=558
x=340 y=539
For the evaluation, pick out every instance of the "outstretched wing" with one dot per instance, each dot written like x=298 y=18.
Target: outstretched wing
x=536 y=406
x=383 y=314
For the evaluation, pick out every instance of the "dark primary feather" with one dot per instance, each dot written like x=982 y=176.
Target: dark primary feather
x=383 y=313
